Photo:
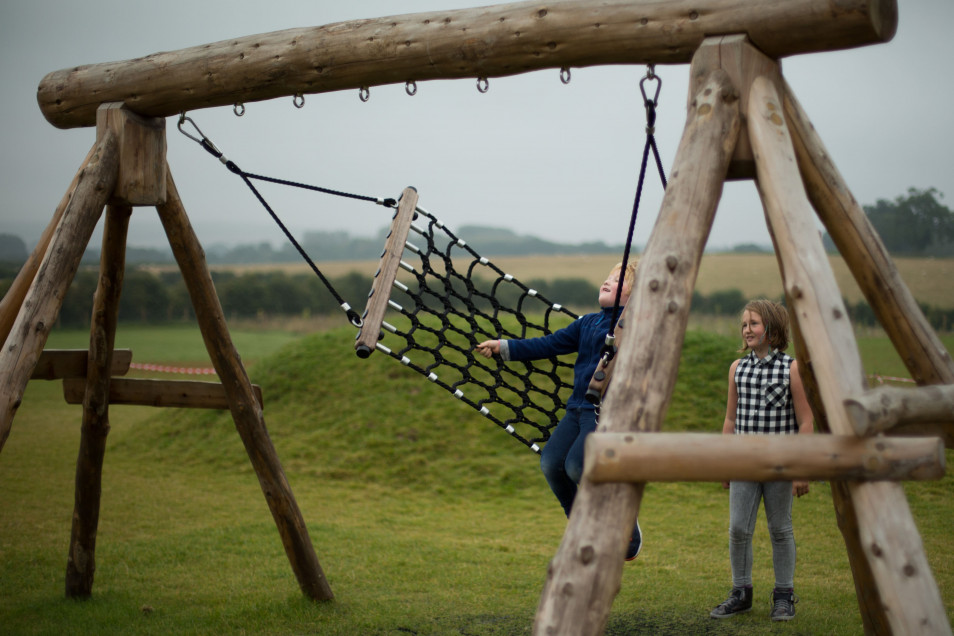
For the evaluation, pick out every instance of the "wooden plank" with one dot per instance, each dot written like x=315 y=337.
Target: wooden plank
x=909 y=599
x=636 y=457
x=584 y=576
x=377 y=306
x=191 y=394
x=492 y=41
x=59 y=364
x=42 y=305
x=245 y=407
x=81 y=562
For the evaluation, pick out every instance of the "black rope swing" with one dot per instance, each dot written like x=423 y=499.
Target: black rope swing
x=447 y=298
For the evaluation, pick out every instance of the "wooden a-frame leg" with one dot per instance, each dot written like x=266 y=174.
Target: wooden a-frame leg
x=13 y=299
x=585 y=574
x=892 y=302
x=95 y=184
x=246 y=412
x=885 y=536
x=81 y=564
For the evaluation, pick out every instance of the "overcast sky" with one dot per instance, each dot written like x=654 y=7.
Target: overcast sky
x=531 y=154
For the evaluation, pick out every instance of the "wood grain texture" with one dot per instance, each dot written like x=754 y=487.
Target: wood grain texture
x=492 y=41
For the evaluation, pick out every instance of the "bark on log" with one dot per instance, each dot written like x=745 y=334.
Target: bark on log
x=81 y=562
x=884 y=408
x=636 y=457
x=246 y=412
x=902 y=575
x=95 y=183
x=584 y=576
x=13 y=299
x=919 y=347
x=377 y=306
x=492 y=41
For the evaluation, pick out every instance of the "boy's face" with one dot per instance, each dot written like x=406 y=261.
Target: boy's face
x=608 y=290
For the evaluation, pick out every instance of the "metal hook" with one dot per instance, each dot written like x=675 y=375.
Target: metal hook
x=364 y=93
x=651 y=76
x=298 y=100
x=482 y=84
x=410 y=87
x=238 y=109
x=565 y=74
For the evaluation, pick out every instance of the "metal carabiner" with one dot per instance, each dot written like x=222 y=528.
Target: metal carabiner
x=650 y=76
x=482 y=84
x=299 y=100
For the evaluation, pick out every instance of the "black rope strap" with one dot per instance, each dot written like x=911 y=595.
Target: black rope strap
x=446 y=300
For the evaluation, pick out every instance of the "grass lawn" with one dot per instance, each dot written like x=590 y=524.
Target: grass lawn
x=426 y=519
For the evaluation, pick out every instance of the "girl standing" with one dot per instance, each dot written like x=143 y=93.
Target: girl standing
x=766 y=397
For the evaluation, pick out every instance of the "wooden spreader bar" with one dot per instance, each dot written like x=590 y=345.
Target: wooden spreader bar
x=170 y=393
x=380 y=293
x=640 y=457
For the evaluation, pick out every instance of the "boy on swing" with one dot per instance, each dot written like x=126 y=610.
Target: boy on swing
x=562 y=456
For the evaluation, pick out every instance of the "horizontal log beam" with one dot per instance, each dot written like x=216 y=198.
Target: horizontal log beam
x=170 y=393
x=640 y=457
x=58 y=364
x=494 y=41
x=883 y=408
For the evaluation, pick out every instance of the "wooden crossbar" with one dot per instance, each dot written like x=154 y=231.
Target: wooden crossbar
x=640 y=457
x=148 y=392
x=60 y=364
x=490 y=41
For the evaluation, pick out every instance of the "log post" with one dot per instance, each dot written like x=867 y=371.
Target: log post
x=246 y=411
x=95 y=184
x=887 y=534
x=584 y=576
x=491 y=41
x=81 y=563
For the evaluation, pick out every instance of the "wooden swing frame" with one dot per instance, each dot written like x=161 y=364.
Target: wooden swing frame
x=743 y=122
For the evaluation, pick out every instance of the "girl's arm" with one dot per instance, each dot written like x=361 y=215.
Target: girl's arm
x=803 y=414
x=732 y=401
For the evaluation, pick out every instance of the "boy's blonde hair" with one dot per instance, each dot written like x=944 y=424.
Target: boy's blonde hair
x=774 y=317
x=629 y=277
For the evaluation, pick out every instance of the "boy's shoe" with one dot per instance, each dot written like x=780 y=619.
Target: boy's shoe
x=739 y=602
x=635 y=544
x=783 y=605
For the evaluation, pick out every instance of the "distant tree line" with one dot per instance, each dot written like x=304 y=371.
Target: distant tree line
x=149 y=298
x=916 y=224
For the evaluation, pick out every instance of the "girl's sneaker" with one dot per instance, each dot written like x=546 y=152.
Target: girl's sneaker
x=739 y=602
x=783 y=605
x=635 y=543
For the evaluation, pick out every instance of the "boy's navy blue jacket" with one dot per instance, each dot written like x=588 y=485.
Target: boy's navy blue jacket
x=585 y=335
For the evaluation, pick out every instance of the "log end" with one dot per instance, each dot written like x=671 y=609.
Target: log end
x=884 y=18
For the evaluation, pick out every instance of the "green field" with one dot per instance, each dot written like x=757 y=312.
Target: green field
x=752 y=274
x=426 y=518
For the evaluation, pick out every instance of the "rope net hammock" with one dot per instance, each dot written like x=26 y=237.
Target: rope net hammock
x=445 y=300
